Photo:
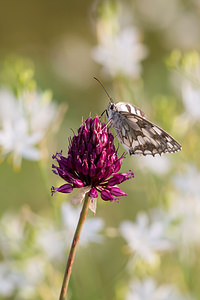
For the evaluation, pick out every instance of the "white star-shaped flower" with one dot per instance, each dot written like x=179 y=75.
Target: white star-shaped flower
x=191 y=99
x=54 y=241
x=149 y=290
x=120 y=53
x=145 y=239
x=184 y=208
x=23 y=124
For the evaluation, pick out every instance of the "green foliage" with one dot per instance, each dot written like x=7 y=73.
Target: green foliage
x=18 y=74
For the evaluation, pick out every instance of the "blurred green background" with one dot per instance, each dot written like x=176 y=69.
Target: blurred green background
x=58 y=41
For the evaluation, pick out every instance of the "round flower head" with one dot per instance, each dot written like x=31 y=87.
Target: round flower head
x=92 y=163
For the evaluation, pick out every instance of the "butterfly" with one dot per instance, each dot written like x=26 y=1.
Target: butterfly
x=136 y=133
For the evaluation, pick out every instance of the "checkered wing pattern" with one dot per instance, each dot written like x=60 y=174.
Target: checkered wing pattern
x=140 y=136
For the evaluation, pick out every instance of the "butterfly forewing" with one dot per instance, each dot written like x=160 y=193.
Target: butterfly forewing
x=138 y=135
x=132 y=109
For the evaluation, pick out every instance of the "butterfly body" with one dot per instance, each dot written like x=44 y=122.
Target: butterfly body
x=137 y=134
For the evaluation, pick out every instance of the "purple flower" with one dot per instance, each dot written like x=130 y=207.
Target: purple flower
x=92 y=163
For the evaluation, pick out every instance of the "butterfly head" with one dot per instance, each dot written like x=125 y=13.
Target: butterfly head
x=112 y=111
x=111 y=107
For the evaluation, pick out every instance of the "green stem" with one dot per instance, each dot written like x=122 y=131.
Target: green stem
x=74 y=245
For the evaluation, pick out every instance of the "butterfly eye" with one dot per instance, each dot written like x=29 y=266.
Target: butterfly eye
x=112 y=106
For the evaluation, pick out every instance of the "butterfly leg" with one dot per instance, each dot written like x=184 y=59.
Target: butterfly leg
x=108 y=124
x=105 y=111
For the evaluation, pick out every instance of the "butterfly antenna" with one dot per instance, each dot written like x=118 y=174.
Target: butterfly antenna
x=110 y=99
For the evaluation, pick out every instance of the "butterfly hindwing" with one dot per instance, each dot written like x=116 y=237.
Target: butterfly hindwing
x=140 y=136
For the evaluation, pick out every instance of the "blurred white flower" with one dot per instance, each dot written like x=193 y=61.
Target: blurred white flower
x=187 y=183
x=54 y=241
x=11 y=234
x=191 y=99
x=159 y=165
x=146 y=239
x=48 y=240
x=10 y=279
x=185 y=212
x=149 y=290
x=120 y=53
x=33 y=271
x=188 y=66
x=21 y=278
x=14 y=130
x=40 y=110
x=91 y=229
x=24 y=123
x=184 y=208
x=119 y=48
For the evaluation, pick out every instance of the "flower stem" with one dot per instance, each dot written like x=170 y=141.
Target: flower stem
x=74 y=245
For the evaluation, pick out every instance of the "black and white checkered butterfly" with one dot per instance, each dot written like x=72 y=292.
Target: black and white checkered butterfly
x=136 y=134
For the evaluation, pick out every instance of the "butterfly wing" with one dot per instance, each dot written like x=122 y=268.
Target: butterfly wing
x=140 y=136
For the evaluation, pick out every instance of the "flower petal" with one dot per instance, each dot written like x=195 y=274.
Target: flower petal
x=77 y=183
x=96 y=124
x=120 y=177
x=93 y=193
x=65 y=188
x=116 y=191
x=106 y=195
x=85 y=168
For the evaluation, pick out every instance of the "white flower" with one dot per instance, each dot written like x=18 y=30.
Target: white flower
x=11 y=234
x=188 y=182
x=185 y=208
x=33 y=271
x=92 y=226
x=159 y=165
x=145 y=239
x=34 y=268
x=190 y=87
x=148 y=290
x=24 y=123
x=54 y=241
x=21 y=279
x=191 y=99
x=41 y=111
x=186 y=214
x=14 y=130
x=10 y=279
x=120 y=53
